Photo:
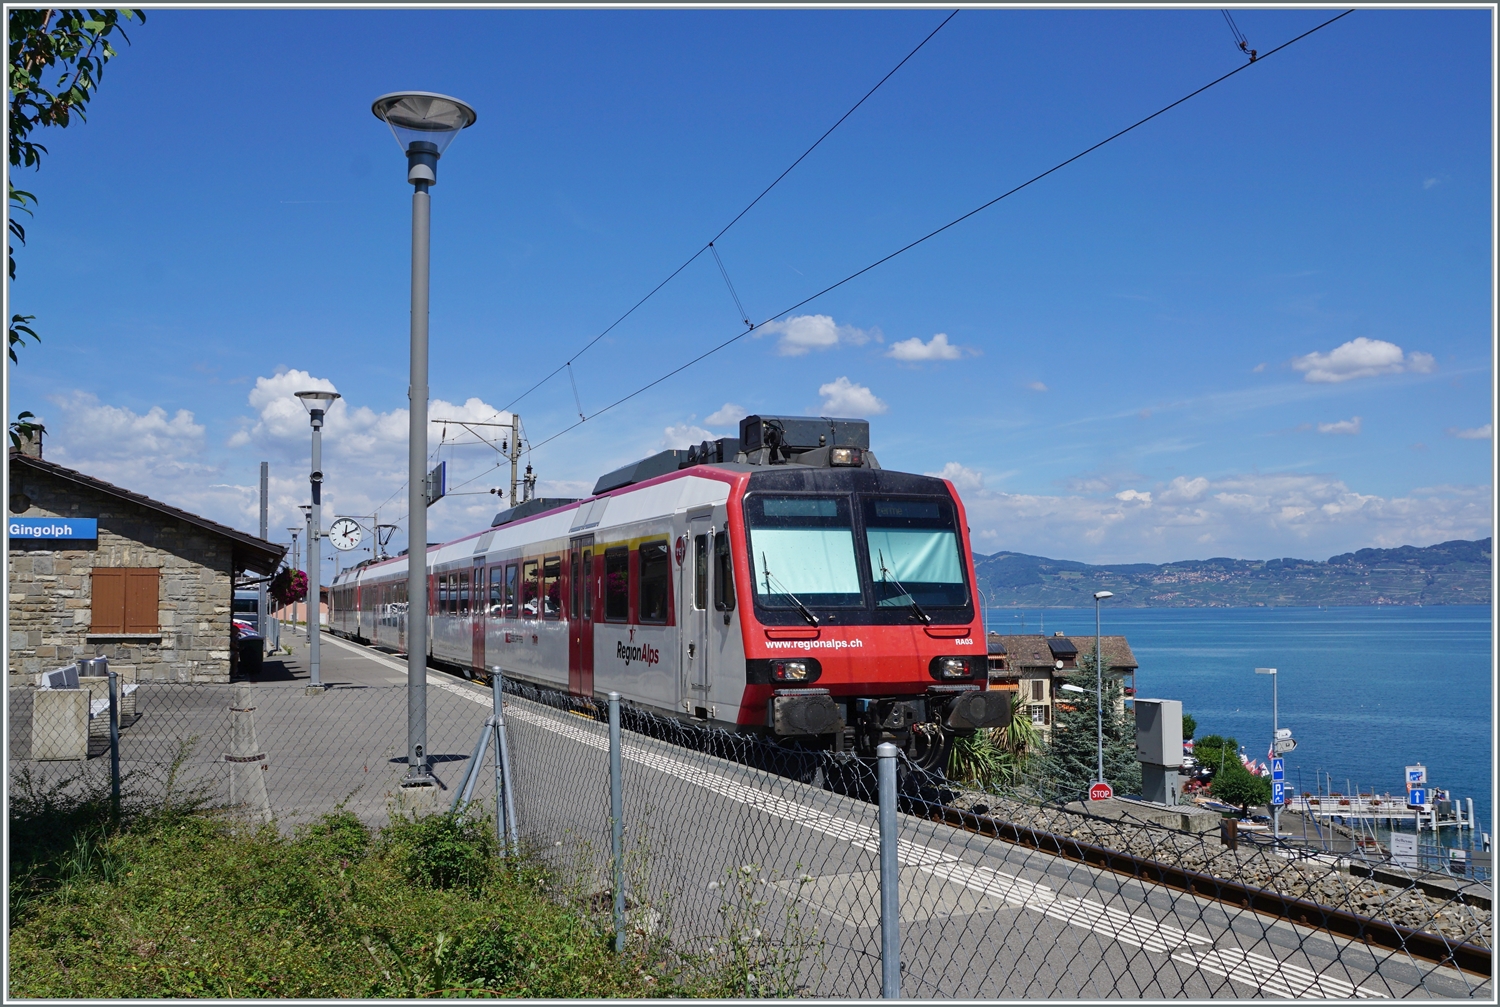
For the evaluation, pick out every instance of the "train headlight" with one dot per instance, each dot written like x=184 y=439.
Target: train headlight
x=853 y=457
x=949 y=668
x=790 y=671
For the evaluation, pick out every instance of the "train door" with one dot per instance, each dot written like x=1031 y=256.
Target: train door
x=580 y=615
x=724 y=650
x=693 y=625
x=478 y=610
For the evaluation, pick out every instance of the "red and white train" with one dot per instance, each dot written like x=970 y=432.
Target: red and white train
x=780 y=583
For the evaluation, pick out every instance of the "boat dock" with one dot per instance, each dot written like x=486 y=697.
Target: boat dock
x=1388 y=808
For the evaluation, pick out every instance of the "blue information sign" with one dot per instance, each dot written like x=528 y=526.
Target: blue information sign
x=54 y=527
x=1278 y=769
x=1278 y=791
x=1416 y=797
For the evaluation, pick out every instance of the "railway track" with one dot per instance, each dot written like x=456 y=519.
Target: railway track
x=924 y=797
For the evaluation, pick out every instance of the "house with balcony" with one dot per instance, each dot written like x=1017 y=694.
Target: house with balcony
x=1035 y=666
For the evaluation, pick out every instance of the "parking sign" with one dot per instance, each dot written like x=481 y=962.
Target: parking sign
x=1278 y=791
x=1278 y=769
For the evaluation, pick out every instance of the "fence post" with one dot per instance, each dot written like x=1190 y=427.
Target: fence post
x=617 y=819
x=890 y=877
x=114 y=743
x=505 y=802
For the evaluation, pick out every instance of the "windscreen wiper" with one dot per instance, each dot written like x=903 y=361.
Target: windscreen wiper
x=886 y=575
x=812 y=620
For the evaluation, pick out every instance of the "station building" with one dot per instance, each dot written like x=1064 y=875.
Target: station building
x=1035 y=666
x=96 y=570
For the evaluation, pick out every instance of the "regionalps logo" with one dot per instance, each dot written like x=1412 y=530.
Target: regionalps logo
x=643 y=654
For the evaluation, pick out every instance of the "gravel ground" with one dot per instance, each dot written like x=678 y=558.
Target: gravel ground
x=1314 y=880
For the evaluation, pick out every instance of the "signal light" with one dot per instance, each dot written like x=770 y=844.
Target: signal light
x=853 y=457
x=790 y=671
x=950 y=668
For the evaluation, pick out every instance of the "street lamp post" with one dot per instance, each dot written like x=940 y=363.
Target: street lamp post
x=1275 y=727
x=295 y=567
x=1099 y=596
x=316 y=403
x=424 y=124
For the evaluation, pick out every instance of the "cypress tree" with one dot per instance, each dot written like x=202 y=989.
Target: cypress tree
x=1070 y=760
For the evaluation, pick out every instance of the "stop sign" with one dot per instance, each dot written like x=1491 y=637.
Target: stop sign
x=1100 y=792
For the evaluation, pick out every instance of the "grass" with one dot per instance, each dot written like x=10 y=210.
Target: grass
x=178 y=901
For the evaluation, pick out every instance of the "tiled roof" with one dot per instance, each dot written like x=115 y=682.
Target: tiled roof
x=1036 y=651
x=250 y=553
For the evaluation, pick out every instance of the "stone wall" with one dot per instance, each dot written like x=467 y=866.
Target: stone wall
x=50 y=582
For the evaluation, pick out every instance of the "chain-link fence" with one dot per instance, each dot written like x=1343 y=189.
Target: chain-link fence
x=735 y=849
x=734 y=843
x=263 y=753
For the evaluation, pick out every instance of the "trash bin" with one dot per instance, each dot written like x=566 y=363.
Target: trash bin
x=252 y=652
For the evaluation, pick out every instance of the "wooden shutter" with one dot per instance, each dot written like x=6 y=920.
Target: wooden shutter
x=108 y=601
x=142 y=594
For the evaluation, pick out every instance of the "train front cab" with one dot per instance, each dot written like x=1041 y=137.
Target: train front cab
x=859 y=617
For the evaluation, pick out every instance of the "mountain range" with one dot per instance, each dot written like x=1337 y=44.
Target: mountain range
x=1451 y=573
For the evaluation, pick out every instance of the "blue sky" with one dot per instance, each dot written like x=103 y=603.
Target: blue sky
x=1258 y=326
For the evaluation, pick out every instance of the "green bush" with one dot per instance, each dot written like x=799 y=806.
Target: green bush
x=175 y=904
x=441 y=851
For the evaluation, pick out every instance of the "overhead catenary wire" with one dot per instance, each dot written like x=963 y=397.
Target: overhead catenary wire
x=1239 y=36
x=744 y=315
x=725 y=229
x=935 y=232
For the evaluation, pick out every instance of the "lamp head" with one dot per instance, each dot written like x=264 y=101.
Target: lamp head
x=1101 y=595
x=1265 y=671
x=424 y=124
x=317 y=401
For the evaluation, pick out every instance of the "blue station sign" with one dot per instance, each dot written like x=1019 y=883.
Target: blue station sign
x=54 y=527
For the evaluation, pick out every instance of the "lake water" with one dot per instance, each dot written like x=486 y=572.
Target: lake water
x=1366 y=691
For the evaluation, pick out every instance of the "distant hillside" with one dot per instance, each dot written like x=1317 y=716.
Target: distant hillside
x=1453 y=573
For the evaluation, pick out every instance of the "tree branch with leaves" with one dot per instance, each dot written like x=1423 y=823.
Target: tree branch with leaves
x=57 y=60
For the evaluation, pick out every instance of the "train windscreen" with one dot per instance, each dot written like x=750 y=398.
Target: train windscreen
x=802 y=550
x=914 y=553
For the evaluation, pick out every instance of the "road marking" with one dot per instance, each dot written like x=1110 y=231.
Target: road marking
x=1107 y=921
x=1278 y=979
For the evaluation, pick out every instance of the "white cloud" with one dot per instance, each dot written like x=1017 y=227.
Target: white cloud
x=729 y=415
x=845 y=398
x=1361 y=358
x=1245 y=516
x=1472 y=434
x=1350 y=426
x=966 y=480
x=684 y=435
x=1258 y=369
x=914 y=350
x=1428 y=183
x=170 y=457
x=802 y=333
x=1037 y=386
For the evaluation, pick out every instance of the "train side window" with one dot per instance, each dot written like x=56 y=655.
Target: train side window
x=617 y=584
x=654 y=581
x=509 y=598
x=442 y=594
x=463 y=594
x=723 y=573
x=497 y=587
x=530 y=590
x=551 y=587
x=700 y=572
